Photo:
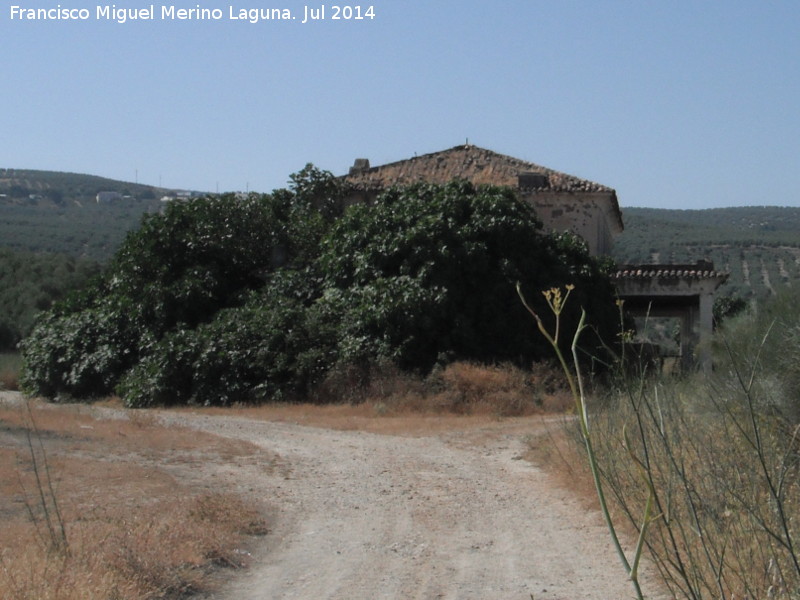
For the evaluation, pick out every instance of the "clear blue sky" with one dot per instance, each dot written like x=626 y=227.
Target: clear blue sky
x=690 y=104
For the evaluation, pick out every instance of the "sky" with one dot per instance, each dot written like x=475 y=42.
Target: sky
x=674 y=104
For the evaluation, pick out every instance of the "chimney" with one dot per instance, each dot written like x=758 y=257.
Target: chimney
x=360 y=166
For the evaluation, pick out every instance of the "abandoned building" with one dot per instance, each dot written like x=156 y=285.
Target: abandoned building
x=562 y=202
x=565 y=202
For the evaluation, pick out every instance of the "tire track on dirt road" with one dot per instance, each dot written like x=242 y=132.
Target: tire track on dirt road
x=454 y=515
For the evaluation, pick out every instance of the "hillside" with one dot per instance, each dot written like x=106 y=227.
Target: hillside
x=47 y=211
x=758 y=246
x=25 y=185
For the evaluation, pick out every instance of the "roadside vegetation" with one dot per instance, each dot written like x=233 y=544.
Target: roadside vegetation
x=265 y=298
x=95 y=508
x=709 y=465
x=10 y=365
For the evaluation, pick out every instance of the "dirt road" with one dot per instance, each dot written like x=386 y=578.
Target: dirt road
x=454 y=515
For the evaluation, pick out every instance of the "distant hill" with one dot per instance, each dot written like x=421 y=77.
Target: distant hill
x=23 y=185
x=48 y=211
x=759 y=245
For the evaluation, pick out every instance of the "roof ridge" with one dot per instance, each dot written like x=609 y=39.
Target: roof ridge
x=506 y=172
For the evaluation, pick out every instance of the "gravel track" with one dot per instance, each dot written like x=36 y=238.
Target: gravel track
x=454 y=515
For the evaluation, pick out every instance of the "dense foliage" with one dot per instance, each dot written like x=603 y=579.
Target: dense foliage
x=30 y=283
x=252 y=299
x=172 y=274
x=271 y=348
x=429 y=272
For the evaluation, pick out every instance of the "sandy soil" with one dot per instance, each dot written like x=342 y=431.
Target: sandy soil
x=449 y=514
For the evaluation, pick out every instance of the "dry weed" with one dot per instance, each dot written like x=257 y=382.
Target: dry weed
x=162 y=551
x=727 y=488
x=459 y=388
x=8 y=380
x=133 y=530
x=503 y=390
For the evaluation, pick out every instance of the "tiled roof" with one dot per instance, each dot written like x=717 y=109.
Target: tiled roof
x=477 y=165
x=699 y=270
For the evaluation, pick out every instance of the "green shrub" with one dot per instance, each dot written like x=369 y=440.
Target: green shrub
x=270 y=349
x=197 y=257
x=173 y=274
x=230 y=299
x=770 y=332
x=81 y=354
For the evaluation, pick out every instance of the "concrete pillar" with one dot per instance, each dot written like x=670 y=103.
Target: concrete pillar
x=706 y=326
x=687 y=340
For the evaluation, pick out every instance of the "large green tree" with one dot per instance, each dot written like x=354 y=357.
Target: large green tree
x=175 y=273
x=250 y=299
x=428 y=273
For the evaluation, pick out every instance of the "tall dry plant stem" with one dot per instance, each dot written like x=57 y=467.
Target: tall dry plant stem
x=556 y=300
x=776 y=488
x=47 y=500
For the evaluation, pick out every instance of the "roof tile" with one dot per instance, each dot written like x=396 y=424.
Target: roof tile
x=700 y=270
x=477 y=165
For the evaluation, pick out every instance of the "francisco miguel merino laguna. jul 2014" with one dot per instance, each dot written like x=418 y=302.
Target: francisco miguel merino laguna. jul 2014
x=112 y=12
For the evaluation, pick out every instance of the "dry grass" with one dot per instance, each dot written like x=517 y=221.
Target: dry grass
x=137 y=432
x=719 y=534
x=501 y=390
x=556 y=448
x=459 y=388
x=464 y=396
x=162 y=552
x=133 y=529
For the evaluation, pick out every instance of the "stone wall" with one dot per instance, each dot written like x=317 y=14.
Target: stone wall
x=584 y=214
